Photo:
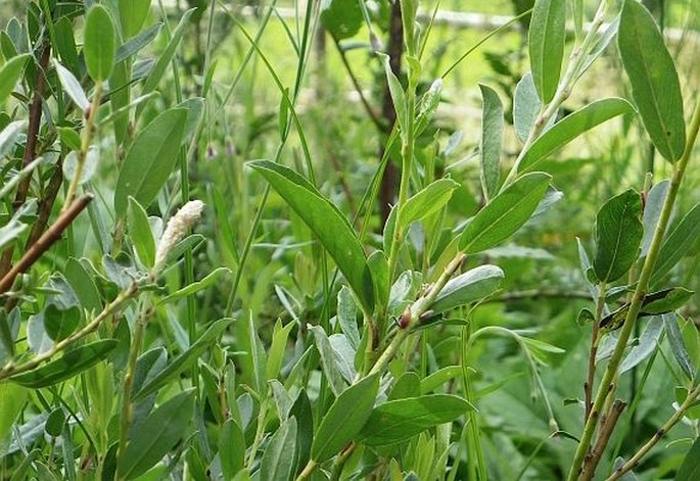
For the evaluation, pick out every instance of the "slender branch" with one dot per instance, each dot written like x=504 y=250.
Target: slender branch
x=44 y=242
x=46 y=204
x=127 y=405
x=658 y=435
x=595 y=338
x=88 y=132
x=606 y=430
x=30 y=145
x=607 y=386
x=10 y=369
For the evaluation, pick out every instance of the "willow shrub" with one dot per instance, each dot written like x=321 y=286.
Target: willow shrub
x=133 y=348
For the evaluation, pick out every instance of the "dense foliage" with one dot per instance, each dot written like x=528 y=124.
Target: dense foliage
x=349 y=239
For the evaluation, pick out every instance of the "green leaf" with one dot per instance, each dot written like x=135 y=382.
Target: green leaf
x=83 y=285
x=12 y=399
x=140 y=232
x=60 y=323
x=99 y=44
x=330 y=226
x=71 y=86
x=505 y=214
x=276 y=352
x=421 y=205
x=150 y=160
x=690 y=469
x=678 y=243
x=345 y=418
x=666 y=300
x=652 y=211
x=184 y=360
x=278 y=461
x=398 y=98
x=648 y=343
x=546 y=37
x=231 y=449
x=8 y=137
x=71 y=363
x=652 y=74
x=473 y=285
x=10 y=73
x=342 y=18
x=347 y=316
x=197 y=286
x=678 y=348
x=163 y=62
x=156 y=435
x=134 y=45
x=397 y=421
x=571 y=127
x=329 y=360
x=526 y=107
x=491 y=141
x=619 y=234
x=301 y=410
x=132 y=15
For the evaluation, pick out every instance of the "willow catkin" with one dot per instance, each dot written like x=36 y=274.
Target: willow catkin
x=177 y=228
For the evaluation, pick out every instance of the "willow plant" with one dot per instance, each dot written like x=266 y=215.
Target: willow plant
x=132 y=348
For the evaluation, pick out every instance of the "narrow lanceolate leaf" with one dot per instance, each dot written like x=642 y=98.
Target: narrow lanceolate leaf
x=652 y=211
x=546 y=44
x=690 y=469
x=345 y=418
x=71 y=86
x=678 y=243
x=571 y=127
x=72 y=363
x=652 y=74
x=469 y=287
x=156 y=435
x=151 y=159
x=505 y=214
x=100 y=45
x=161 y=65
x=10 y=74
x=491 y=141
x=526 y=106
x=132 y=14
x=675 y=339
x=184 y=360
x=140 y=232
x=231 y=449
x=326 y=221
x=426 y=202
x=397 y=421
x=619 y=234
x=197 y=286
x=278 y=461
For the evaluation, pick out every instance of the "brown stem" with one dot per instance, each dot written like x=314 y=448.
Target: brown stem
x=44 y=242
x=658 y=435
x=30 y=146
x=606 y=430
x=595 y=339
x=387 y=191
x=46 y=204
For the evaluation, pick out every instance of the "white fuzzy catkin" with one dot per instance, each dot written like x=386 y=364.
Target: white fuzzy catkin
x=177 y=227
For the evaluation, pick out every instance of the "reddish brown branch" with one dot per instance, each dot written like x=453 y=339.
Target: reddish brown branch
x=606 y=429
x=44 y=242
x=30 y=146
x=46 y=204
x=390 y=180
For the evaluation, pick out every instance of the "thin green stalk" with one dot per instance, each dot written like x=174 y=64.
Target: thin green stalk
x=595 y=339
x=476 y=461
x=658 y=435
x=607 y=387
x=85 y=142
x=11 y=369
x=563 y=90
x=127 y=405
